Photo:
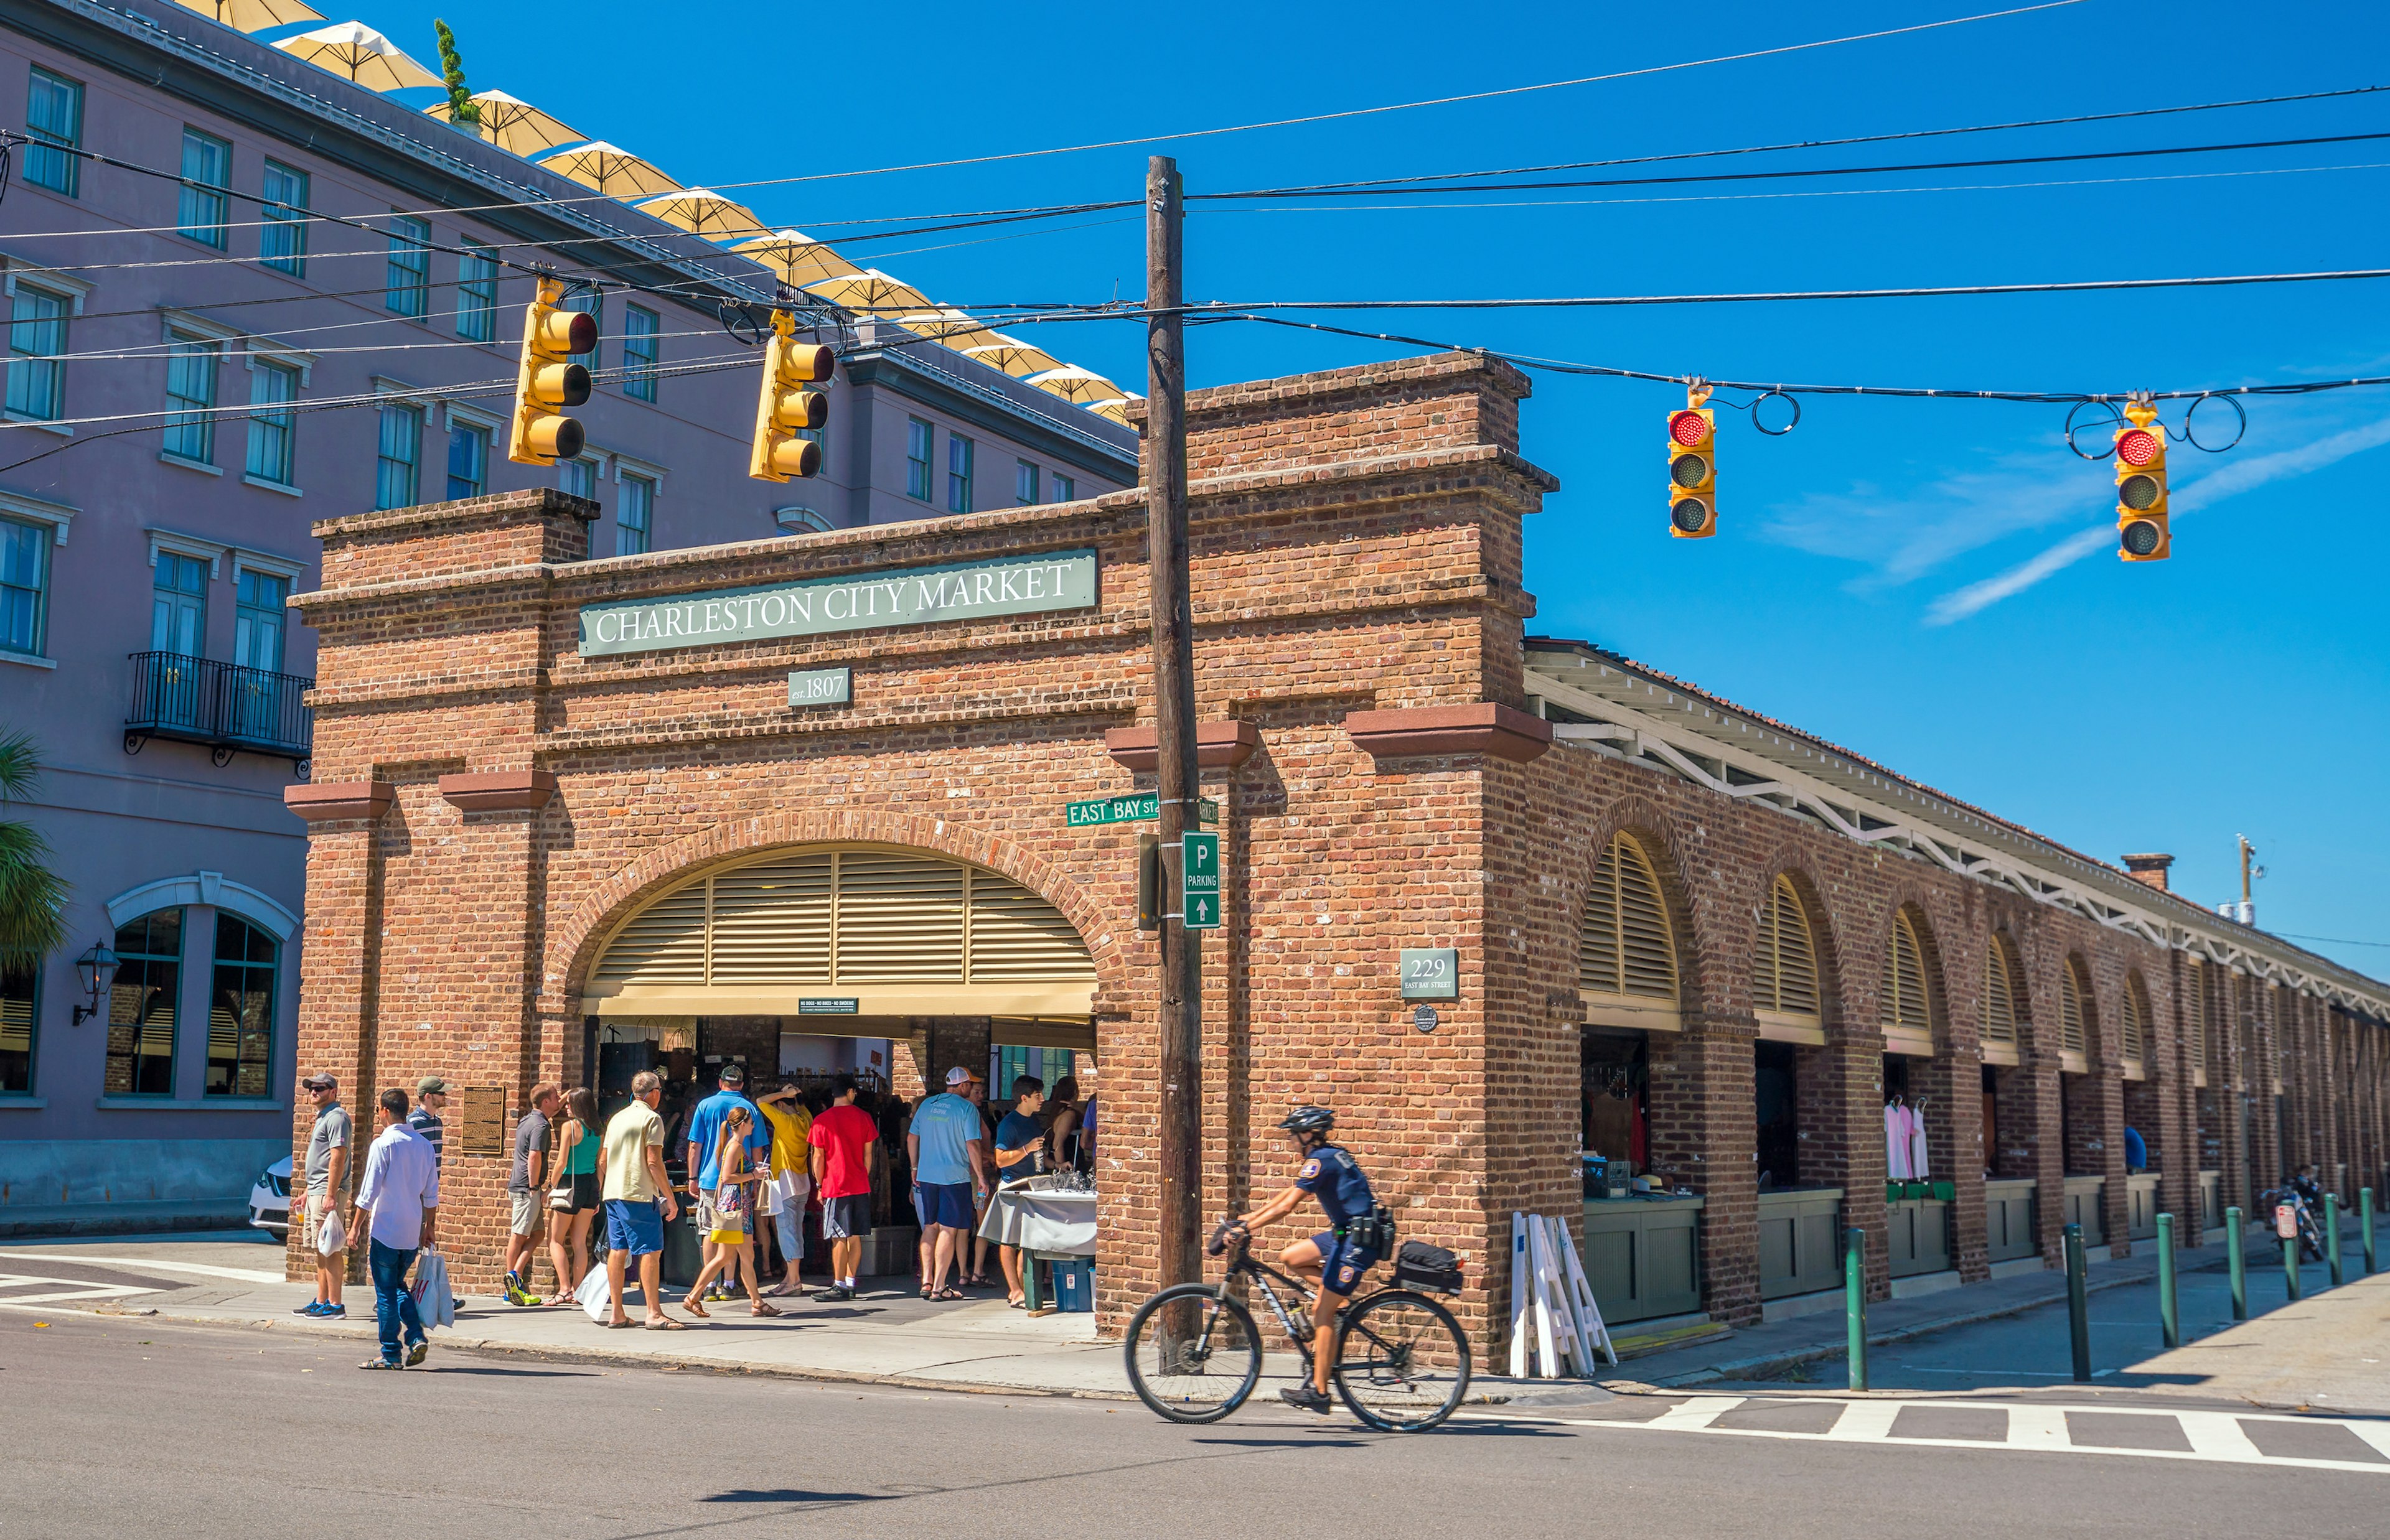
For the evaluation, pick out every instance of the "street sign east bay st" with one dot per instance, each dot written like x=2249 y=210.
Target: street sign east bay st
x=1199 y=880
x=1131 y=808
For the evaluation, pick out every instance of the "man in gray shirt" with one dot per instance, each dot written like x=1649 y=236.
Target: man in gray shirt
x=527 y=1192
x=326 y=1174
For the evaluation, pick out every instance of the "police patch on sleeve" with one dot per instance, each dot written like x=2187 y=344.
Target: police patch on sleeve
x=1310 y=1170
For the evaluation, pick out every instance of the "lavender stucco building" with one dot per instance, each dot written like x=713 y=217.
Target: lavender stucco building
x=190 y=384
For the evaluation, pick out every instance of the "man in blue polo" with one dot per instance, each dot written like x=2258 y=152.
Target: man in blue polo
x=705 y=1150
x=948 y=1146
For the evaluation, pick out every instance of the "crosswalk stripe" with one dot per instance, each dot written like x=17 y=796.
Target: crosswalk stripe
x=2218 y=1436
x=1867 y=1420
x=1696 y=1414
x=2038 y=1428
x=2375 y=1433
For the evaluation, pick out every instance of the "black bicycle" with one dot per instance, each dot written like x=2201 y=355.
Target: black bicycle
x=1401 y=1363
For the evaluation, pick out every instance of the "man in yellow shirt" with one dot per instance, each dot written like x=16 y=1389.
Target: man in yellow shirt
x=639 y=1199
x=791 y=1175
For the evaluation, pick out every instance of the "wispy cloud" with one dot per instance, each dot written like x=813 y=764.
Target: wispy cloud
x=2229 y=480
x=1903 y=537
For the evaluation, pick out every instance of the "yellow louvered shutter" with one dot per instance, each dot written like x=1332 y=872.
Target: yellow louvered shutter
x=900 y=919
x=2071 y=1035
x=1905 y=1006
x=1786 y=967
x=1625 y=945
x=1999 y=997
x=663 y=944
x=2194 y=1009
x=1598 y=971
x=2130 y=1029
x=1016 y=935
x=772 y=922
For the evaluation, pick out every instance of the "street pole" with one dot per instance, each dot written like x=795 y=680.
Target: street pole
x=2331 y=1234
x=2169 y=1318
x=1855 y=1301
x=2078 y=1309
x=2364 y=1225
x=1180 y=997
x=2236 y=1262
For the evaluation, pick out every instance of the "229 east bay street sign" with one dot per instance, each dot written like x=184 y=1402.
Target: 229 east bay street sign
x=905 y=595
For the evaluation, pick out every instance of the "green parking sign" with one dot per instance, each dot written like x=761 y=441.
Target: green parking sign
x=1199 y=880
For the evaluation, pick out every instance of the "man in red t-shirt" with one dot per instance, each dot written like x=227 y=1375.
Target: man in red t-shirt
x=845 y=1147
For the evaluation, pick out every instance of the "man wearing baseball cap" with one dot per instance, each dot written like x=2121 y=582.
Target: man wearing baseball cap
x=326 y=1174
x=948 y=1147
x=431 y=1096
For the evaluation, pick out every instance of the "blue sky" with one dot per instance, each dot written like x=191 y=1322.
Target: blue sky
x=1932 y=583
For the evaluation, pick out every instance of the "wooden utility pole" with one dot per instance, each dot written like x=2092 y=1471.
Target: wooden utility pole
x=1181 y=998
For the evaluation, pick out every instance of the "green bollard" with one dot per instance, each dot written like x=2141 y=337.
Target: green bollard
x=2236 y=1262
x=1855 y=1301
x=2291 y=1267
x=2078 y=1307
x=2331 y=1234
x=2169 y=1318
x=2364 y=1225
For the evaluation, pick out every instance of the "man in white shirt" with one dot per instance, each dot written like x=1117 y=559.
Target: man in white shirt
x=398 y=1208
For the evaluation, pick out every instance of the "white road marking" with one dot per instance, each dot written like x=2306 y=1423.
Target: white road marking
x=1866 y=1421
x=2218 y=1436
x=2038 y=1428
x=1695 y=1415
x=74 y=1289
x=155 y=1264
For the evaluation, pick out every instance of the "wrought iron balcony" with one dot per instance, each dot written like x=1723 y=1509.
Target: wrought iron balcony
x=223 y=705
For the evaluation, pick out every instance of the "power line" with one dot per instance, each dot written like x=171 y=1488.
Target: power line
x=2334 y=941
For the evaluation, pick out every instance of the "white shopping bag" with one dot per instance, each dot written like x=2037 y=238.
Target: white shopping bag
x=596 y=1296
x=329 y=1237
x=767 y=1199
x=433 y=1300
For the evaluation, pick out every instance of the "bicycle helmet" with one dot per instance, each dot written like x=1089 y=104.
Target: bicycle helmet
x=1308 y=1119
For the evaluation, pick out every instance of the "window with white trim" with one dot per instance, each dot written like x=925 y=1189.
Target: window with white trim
x=635 y=516
x=406 y=282
x=641 y=327
x=24 y=585
x=282 y=238
x=191 y=397
x=38 y=335
x=477 y=291
x=468 y=459
x=959 y=473
x=1066 y=488
x=399 y=455
x=201 y=209
x=917 y=437
x=54 y=122
x=578 y=476
x=273 y=432
x=1025 y=483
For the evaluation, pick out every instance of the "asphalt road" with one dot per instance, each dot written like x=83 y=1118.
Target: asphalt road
x=133 y=1426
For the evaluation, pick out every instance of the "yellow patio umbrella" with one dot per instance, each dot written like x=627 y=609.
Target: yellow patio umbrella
x=513 y=124
x=1012 y=355
x=354 y=50
x=611 y=169
x=873 y=292
x=702 y=211
x=1078 y=386
x=797 y=257
x=1116 y=408
x=252 y=16
x=941 y=323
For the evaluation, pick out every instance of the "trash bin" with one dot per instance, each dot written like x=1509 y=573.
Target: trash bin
x=683 y=1248
x=1074 y=1284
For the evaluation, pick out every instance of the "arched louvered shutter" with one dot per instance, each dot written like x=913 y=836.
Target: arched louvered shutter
x=2072 y=1009
x=1908 y=1013
x=2133 y=1030
x=859 y=931
x=2194 y=1017
x=2000 y=994
x=1626 y=947
x=1784 y=969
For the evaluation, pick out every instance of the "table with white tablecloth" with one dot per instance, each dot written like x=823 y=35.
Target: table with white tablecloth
x=1047 y=1220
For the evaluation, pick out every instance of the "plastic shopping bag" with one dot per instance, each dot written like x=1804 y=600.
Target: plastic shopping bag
x=596 y=1296
x=331 y=1238
x=433 y=1300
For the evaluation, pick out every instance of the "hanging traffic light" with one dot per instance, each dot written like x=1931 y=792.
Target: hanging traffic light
x=2142 y=532
x=786 y=408
x=550 y=381
x=1692 y=468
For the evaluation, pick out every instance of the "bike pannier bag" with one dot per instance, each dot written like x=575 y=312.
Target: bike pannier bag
x=1420 y=1265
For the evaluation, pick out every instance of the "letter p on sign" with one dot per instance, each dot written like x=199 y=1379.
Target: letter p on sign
x=1199 y=878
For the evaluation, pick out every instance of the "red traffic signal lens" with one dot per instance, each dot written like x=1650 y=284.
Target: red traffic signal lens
x=1690 y=515
x=1690 y=429
x=2138 y=446
x=2139 y=491
x=1689 y=471
x=2142 y=537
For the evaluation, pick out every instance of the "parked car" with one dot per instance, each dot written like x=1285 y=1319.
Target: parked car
x=269 y=1200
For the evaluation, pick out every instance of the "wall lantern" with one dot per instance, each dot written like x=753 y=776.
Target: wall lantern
x=95 y=974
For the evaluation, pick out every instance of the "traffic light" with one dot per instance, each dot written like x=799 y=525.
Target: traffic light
x=2141 y=533
x=786 y=407
x=550 y=381
x=1692 y=469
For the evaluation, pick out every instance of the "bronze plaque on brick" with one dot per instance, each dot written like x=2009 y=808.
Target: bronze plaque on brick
x=483 y=1120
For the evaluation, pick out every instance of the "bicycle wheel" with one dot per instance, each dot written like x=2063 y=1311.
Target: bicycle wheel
x=1402 y=1364
x=1193 y=1355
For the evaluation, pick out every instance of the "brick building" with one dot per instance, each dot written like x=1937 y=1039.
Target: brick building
x=558 y=797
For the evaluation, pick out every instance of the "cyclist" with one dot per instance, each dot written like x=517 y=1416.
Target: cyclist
x=1335 y=1259
x=2310 y=1191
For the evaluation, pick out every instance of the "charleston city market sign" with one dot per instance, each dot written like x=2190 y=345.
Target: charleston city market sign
x=910 y=595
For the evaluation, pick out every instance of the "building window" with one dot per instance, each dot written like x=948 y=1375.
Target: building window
x=919 y=436
x=1025 y=483
x=273 y=432
x=578 y=478
x=400 y=453
x=178 y=605
x=38 y=335
x=20 y=995
x=54 y=118
x=282 y=241
x=592 y=301
x=639 y=350
x=207 y=173
x=259 y=617
x=477 y=292
x=635 y=520
x=141 y=1006
x=469 y=460
x=191 y=399
x=959 y=473
x=241 y=1012
x=407 y=283
x=24 y=584
x=1066 y=488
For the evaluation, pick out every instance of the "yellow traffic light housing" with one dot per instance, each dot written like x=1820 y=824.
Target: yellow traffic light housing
x=550 y=381
x=1692 y=468
x=786 y=408
x=2141 y=519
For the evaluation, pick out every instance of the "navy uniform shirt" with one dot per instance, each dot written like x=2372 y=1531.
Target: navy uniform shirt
x=1333 y=1177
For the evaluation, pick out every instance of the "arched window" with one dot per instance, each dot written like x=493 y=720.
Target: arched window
x=141 y=1006
x=2133 y=1031
x=2194 y=1017
x=2074 y=1016
x=1784 y=970
x=1999 y=1002
x=1907 y=1009
x=1627 y=953
x=241 y=1012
